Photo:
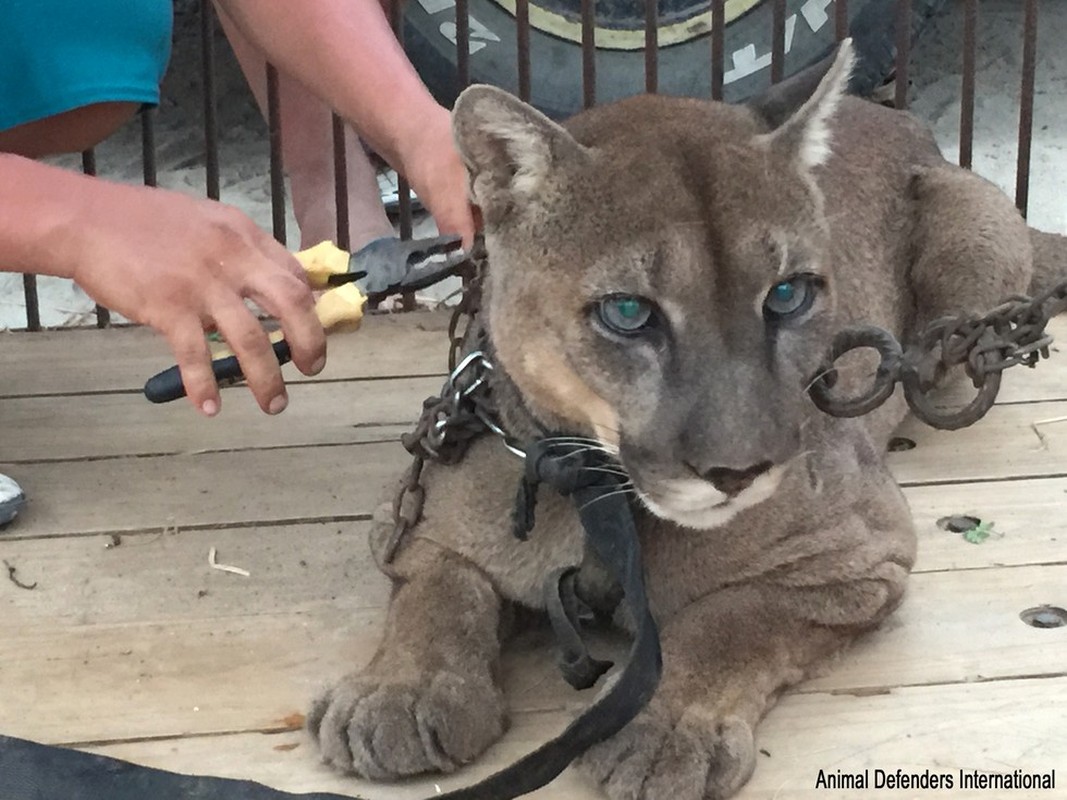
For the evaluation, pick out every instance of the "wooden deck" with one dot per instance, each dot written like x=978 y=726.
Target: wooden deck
x=131 y=645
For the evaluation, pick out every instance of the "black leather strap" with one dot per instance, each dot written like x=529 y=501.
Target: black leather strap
x=30 y=771
x=610 y=532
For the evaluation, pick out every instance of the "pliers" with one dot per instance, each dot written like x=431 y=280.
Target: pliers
x=381 y=268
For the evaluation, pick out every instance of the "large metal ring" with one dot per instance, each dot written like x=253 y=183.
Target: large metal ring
x=885 y=379
x=923 y=407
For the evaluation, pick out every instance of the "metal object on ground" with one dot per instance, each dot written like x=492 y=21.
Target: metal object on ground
x=12 y=499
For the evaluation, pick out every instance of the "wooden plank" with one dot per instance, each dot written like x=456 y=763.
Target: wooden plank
x=994 y=726
x=210 y=676
x=122 y=359
x=132 y=680
x=942 y=729
x=56 y=428
x=956 y=627
x=1027 y=517
x=205 y=489
x=165 y=577
x=1003 y=445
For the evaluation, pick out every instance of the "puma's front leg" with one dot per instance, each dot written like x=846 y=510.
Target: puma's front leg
x=726 y=659
x=429 y=700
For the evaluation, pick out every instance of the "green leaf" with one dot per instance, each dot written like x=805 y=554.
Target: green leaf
x=979 y=533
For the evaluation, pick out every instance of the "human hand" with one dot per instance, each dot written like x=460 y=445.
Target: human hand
x=184 y=266
x=432 y=164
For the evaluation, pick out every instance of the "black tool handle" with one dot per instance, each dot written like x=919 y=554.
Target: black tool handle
x=167 y=385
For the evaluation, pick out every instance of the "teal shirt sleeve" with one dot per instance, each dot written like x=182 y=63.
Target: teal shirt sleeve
x=57 y=55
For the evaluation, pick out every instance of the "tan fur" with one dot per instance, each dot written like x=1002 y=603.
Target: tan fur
x=555 y=385
x=702 y=208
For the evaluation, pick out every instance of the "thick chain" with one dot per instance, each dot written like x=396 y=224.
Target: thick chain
x=451 y=419
x=1012 y=333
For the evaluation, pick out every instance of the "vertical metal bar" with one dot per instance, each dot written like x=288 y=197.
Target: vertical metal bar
x=718 y=47
x=522 y=41
x=148 y=146
x=33 y=306
x=970 y=45
x=588 y=53
x=903 y=27
x=211 y=125
x=778 y=41
x=463 y=43
x=277 y=174
x=103 y=316
x=1026 y=110
x=340 y=182
x=651 y=46
x=841 y=19
x=407 y=299
x=403 y=187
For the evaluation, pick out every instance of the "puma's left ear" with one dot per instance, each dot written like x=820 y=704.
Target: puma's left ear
x=806 y=134
x=509 y=147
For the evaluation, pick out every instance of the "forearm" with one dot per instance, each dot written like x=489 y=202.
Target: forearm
x=39 y=207
x=345 y=52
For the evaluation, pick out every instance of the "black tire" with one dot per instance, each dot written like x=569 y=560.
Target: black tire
x=684 y=68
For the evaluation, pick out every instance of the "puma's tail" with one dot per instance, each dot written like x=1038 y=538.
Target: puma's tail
x=1050 y=260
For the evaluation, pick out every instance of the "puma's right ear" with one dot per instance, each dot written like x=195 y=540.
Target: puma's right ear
x=782 y=100
x=806 y=133
x=510 y=148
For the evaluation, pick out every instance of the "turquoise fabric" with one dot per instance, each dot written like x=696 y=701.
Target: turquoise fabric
x=56 y=55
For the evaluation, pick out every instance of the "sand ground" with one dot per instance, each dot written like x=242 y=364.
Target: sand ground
x=936 y=80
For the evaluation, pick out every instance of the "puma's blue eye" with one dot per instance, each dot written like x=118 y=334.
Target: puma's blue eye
x=791 y=298
x=624 y=313
x=784 y=292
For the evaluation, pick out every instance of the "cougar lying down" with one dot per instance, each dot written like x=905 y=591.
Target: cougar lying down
x=665 y=276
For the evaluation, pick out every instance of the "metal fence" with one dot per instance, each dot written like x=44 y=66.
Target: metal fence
x=715 y=61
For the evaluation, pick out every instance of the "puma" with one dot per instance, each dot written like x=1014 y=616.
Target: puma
x=665 y=276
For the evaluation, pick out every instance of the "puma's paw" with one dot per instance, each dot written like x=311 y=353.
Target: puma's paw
x=383 y=727
x=697 y=756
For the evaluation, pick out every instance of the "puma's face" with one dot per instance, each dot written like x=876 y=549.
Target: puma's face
x=685 y=349
x=660 y=278
x=705 y=354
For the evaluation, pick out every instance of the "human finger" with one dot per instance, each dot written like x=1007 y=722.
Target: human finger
x=193 y=357
x=250 y=343
x=293 y=305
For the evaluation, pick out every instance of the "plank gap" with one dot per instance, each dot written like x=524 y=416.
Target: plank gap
x=193 y=526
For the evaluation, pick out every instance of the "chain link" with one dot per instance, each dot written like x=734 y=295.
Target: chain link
x=453 y=418
x=1012 y=333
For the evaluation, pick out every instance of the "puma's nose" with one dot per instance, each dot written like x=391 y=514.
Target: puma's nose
x=734 y=481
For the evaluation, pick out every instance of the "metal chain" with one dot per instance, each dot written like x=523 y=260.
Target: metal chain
x=453 y=418
x=1012 y=333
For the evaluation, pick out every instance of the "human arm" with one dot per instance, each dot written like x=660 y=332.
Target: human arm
x=345 y=52
x=177 y=263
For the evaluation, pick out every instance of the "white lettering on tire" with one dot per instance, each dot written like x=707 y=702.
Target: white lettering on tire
x=746 y=62
x=480 y=36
